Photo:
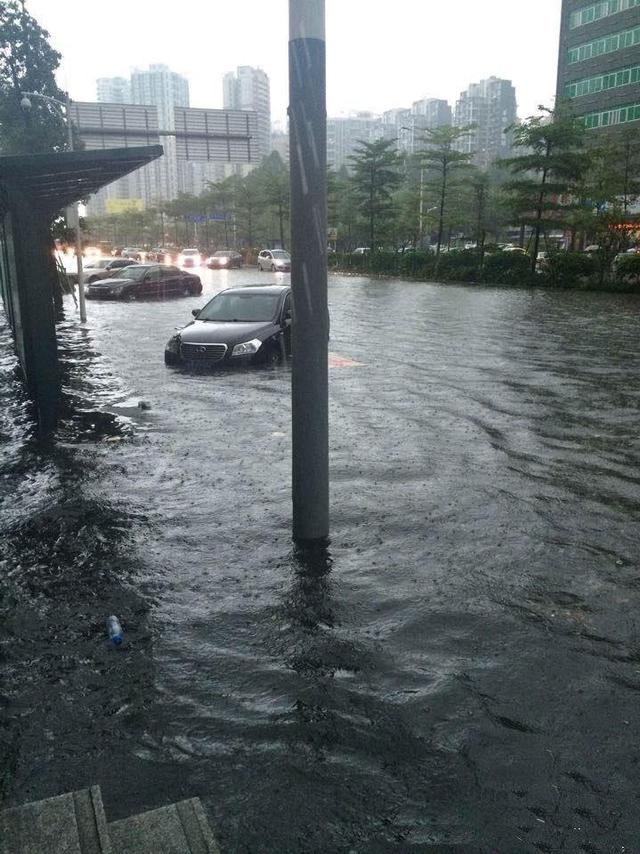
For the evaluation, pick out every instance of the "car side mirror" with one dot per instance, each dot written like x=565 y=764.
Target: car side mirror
x=195 y=311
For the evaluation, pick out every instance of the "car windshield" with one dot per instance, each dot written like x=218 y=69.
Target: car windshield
x=237 y=307
x=279 y=253
x=222 y=254
x=134 y=273
x=190 y=252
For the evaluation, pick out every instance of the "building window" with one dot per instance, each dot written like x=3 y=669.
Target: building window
x=603 y=9
x=602 y=82
x=604 y=45
x=608 y=118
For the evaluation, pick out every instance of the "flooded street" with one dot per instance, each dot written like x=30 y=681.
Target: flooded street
x=460 y=673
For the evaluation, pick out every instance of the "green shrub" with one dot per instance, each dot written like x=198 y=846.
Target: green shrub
x=457 y=266
x=627 y=269
x=417 y=265
x=384 y=263
x=568 y=269
x=508 y=268
x=348 y=261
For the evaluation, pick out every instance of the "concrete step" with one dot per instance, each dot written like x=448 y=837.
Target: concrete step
x=67 y=824
x=180 y=828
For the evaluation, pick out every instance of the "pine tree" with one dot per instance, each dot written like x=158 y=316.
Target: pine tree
x=446 y=166
x=375 y=176
x=549 y=171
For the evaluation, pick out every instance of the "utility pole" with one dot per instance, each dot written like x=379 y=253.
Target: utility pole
x=76 y=217
x=310 y=330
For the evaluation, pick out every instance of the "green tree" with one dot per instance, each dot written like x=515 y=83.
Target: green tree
x=274 y=178
x=445 y=166
x=609 y=191
x=246 y=205
x=375 y=175
x=549 y=171
x=27 y=64
x=343 y=209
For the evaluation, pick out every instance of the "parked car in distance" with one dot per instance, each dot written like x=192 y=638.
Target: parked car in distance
x=190 y=258
x=276 y=260
x=159 y=254
x=132 y=252
x=238 y=326
x=224 y=259
x=101 y=268
x=361 y=250
x=145 y=280
x=542 y=261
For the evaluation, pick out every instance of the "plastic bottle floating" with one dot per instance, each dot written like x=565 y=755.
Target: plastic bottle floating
x=114 y=629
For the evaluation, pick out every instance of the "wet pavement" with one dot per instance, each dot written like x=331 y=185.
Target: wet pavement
x=459 y=673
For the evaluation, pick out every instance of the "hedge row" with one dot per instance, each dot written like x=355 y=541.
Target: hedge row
x=559 y=270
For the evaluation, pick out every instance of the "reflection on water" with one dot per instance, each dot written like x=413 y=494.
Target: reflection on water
x=457 y=671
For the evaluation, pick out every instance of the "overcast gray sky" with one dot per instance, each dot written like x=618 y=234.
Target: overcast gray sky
x=380 y=54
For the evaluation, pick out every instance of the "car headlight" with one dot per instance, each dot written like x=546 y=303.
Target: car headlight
x=248 y=348
x=223 y=260
x=173 y=344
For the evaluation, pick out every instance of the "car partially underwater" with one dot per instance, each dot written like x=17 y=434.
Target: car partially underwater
x=239 y=326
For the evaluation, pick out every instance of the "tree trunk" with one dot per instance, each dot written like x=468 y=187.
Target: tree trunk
x=372 y=232
x=281 y=220
x=538 y=223
x=443 y=193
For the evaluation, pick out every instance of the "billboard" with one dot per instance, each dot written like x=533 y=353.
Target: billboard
x=220 y=136
x=115 y=125
x=120 y=206
x=208 y=136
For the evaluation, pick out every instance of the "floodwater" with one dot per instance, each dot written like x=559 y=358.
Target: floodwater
x=460 y=672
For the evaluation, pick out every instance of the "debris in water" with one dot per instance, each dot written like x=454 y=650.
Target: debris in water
x=114 y=629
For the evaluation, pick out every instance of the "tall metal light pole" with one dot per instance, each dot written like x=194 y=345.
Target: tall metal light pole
x=73 y=214
x=310 y=331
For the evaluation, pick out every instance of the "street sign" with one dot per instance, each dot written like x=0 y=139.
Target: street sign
x=206 y=136
x=213 y=217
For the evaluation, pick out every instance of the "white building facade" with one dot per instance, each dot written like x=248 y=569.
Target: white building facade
x=113 y=90
x=491 y=106
x=344 y=134
x=248 y=88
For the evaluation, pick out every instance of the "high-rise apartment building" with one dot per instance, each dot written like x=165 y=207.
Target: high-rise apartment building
x=164 y=89
x=113 y=90
x=344 y=134
x=280 y=143
x=599 y=61
x=427 y=114
x=491 y=107
x=433 y=112
x=248 y=89
x=397 y=125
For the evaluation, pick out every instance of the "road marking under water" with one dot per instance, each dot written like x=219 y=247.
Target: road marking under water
x=336 y=361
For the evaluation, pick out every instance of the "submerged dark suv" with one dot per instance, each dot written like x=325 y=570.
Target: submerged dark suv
x=238 y=326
